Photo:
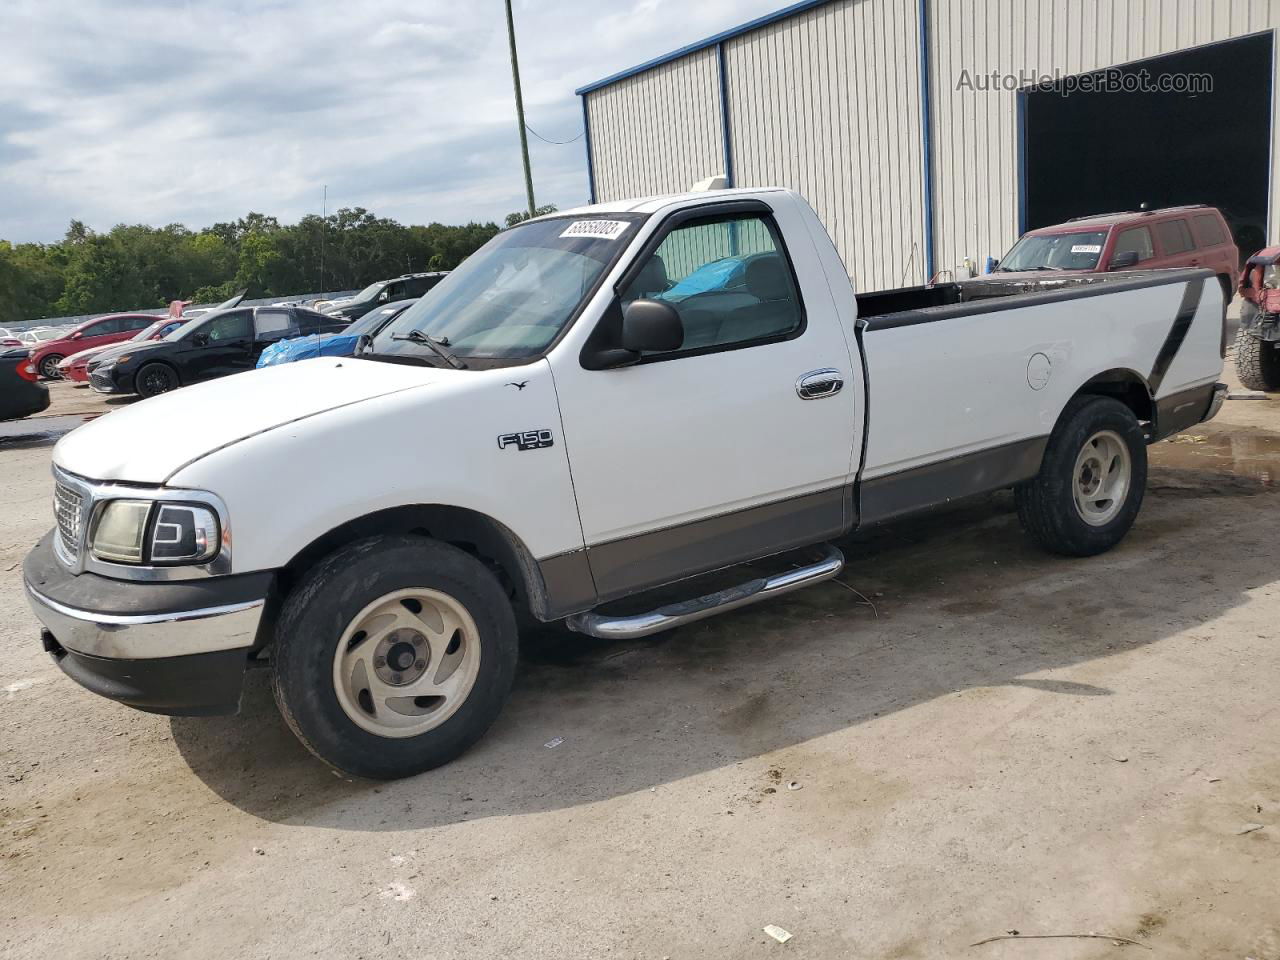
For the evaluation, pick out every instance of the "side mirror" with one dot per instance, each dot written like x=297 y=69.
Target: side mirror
x=383 y=297
x=1123 y=261
x=77 y=335
x=200 y=339
x=650 y=326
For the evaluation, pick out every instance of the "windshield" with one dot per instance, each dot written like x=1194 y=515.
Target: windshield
x=146 y=333
x=1056 y=251
x=511 y=297
x=369 y=292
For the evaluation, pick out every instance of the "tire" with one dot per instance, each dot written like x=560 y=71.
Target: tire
x=1257 y=362
x=322 y=659
x=154 y=379
x=1065 y=507
x=49 y=366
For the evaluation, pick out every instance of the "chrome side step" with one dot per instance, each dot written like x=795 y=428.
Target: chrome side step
x=688 y=611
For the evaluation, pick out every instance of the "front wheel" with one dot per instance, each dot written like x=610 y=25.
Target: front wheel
x=1091 y=481
x=155 y=379
x=394 y=655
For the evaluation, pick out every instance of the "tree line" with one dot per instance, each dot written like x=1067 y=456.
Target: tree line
x=136 y=266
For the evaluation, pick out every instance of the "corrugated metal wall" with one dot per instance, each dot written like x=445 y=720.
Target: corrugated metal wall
x=975 y=133
x=827 y=102
x=658 y=132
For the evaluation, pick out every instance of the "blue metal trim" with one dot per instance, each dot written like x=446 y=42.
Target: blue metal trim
x=1020 y=113
x=926 y=132
x=1271 y=154
x=724 y=35
x=586 y=138
x=724 y=117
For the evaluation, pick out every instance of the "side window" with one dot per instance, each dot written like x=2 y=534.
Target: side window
x=1174 y=237
x=394 y=291
x=237 y=325
x=273 y=324
x=727 y=277
x=104 y=327
x=139 y=323
x=1208 y=230
x=1136 y=240
x=309 y=322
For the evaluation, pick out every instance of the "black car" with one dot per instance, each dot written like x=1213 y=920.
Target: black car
x=213 y=345
x=409 y=287
x=20 y=394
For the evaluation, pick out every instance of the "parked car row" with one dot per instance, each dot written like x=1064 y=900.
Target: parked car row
x=219 y=343
x=409 y=287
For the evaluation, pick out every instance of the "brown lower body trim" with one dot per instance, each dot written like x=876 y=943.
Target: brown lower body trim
x=885 y=498
x=1181 y=410
x=633 y=564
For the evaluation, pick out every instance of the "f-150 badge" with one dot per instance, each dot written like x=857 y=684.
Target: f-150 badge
x=526 y=440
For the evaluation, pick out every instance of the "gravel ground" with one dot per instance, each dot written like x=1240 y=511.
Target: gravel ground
x=1005 y=741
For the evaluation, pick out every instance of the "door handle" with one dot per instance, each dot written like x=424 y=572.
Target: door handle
x=819 y=383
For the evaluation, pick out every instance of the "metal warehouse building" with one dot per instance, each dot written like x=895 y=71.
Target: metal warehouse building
x=923 y=131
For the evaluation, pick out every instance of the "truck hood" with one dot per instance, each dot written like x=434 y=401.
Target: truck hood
x=149 y=441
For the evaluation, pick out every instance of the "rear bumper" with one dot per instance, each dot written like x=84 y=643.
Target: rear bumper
x=1219 y=398
x=176 y=647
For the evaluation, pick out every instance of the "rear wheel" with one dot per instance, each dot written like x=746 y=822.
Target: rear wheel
x=1091 y=482
x=156 y=378
x=1257 y=362
x=49 y=366
x=394 y=656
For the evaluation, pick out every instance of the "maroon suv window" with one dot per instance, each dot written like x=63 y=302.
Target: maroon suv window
x=1174 y=237
x=1135 y=240
x=1208 y=230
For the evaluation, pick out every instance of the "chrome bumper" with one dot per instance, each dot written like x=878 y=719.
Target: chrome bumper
x=148 y=636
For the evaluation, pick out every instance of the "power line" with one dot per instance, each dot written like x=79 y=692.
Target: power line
x=558 y=143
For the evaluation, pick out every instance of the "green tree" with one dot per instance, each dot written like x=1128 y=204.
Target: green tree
x=520 y=216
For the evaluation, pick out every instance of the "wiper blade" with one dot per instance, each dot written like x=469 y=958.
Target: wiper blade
x=431 y=343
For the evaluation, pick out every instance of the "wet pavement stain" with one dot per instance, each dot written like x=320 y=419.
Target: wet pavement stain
x=1219 y=462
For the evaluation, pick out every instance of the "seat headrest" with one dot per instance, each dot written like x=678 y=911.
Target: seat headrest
x=767 y=279
x=652 y=277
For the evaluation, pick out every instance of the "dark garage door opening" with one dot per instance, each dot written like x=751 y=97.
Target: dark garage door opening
x=1101 y=152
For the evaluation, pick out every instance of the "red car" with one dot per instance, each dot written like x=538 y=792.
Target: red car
x=97 y=332
x=76 y=366
x=1195 y=236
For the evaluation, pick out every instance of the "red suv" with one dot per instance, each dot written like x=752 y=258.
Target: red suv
x=1147 y=240
x=98 y=332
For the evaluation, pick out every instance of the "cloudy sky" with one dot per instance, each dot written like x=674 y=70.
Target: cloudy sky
x=161 y=111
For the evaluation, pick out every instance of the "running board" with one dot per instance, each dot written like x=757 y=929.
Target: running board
x=688 y=611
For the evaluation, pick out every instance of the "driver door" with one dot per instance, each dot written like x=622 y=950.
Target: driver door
x=715 y=453
x=224 y=345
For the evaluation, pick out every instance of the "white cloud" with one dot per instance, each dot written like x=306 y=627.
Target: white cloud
x=154 y=112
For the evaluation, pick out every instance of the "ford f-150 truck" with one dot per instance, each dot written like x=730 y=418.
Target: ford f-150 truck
x=560 y=424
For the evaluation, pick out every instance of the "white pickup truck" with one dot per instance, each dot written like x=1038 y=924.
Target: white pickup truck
x=594 y=405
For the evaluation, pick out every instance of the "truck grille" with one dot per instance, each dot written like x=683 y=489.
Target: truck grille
x=66 y=509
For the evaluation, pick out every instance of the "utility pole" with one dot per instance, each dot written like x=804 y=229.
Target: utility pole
x=524 y=140
x=324 y=228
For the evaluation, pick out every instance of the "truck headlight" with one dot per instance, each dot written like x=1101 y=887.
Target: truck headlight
x=141 y=531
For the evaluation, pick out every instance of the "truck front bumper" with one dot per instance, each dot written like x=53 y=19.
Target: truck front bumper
x=175 y=647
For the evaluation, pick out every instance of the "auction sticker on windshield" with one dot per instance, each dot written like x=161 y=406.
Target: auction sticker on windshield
x=596 y=229
x=1087 y=248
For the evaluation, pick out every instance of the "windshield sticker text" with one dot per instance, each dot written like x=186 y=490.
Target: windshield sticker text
x=596 y=229
x=1087 y=248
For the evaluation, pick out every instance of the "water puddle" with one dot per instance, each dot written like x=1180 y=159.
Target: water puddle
x=1205 y=462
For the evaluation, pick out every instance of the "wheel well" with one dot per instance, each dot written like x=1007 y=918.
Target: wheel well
x=1228 y=288
x=1130 y=389
x=478 y=534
